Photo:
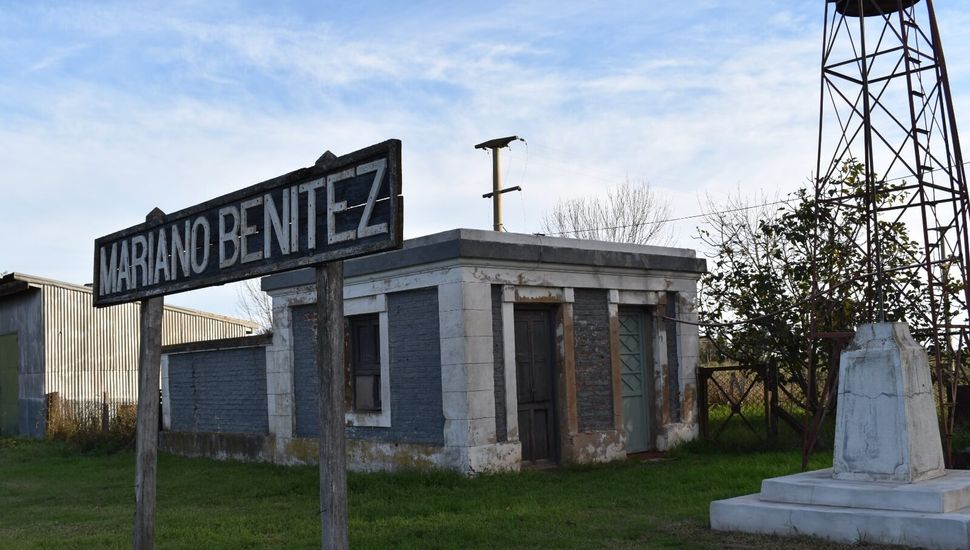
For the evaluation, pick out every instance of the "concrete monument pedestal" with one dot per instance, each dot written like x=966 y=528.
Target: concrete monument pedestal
x=887 y=483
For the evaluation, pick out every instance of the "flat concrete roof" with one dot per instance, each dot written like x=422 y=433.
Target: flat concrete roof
x=509 y=247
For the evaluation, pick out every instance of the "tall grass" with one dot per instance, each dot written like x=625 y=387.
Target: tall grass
x=89 y=426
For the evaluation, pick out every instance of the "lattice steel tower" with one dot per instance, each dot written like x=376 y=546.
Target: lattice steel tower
x=886 y=105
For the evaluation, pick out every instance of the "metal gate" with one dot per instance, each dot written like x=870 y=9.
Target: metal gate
x=742 y=392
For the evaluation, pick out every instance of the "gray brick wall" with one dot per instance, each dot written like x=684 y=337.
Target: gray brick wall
x=594 y=381
x=673 y=363
x=305 y=379
x=219 y=391
x=415 y=371
x=498 y=352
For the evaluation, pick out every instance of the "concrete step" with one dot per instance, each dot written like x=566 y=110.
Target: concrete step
x=948 y=493
x=750 y=514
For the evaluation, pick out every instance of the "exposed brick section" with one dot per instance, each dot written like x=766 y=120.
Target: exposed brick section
x=594 y=384
x=219 y=391
x=673 y=363
x=415 y=370
x=498 y=352
x=305 y=379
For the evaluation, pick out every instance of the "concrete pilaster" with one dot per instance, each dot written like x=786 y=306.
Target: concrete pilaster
x=279 y=372
x=468 y=383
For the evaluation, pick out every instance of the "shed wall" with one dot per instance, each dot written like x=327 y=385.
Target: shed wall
x=22 y=314
x=94 y=351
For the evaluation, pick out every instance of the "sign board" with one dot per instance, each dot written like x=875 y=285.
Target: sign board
x=340 y=208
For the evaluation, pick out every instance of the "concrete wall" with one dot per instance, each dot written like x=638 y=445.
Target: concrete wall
x=22 y=314
x=222 y=391
x=415 y=372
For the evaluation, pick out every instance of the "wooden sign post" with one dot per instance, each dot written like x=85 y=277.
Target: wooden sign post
x=146 y=432
x=333 y=444
x=341 y=207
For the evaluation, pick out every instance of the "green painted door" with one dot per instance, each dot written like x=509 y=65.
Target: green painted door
x=9 y=384
x=634 y=381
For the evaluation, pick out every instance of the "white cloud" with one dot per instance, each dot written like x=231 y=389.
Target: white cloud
x=237 y=100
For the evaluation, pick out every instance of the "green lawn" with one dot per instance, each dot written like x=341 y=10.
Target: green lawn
x=53 y=497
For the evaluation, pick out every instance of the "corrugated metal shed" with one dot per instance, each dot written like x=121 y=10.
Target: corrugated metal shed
x=89 y=351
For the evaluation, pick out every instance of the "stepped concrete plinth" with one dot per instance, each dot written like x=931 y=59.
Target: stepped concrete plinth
x=887 y=484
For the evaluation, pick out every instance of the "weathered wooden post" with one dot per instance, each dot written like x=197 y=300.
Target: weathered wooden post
x=105 y=414
x=146 y=435
x=330 y=368
x=146 y=444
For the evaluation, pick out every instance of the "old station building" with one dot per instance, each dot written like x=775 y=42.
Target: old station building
x=470 y=350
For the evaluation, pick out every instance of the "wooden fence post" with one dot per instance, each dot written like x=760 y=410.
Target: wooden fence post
x=773 y=400
x=105 y=414
x=55 y=421
x=330 y=367
x=146 y=441
x=702 y=405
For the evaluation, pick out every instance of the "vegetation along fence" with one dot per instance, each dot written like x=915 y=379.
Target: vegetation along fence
x=69 y=419
x=738 y=395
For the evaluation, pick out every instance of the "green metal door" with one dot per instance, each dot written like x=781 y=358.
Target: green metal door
x=9 y=384
x=634 y=381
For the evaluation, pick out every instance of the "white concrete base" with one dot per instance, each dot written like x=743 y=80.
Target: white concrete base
x=929 y=514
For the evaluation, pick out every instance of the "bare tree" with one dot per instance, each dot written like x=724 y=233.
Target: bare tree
x=255 y=305
x=630 y=213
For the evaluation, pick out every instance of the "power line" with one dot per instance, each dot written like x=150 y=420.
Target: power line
x=681 y=218
x=799 y=301
x=716 y=212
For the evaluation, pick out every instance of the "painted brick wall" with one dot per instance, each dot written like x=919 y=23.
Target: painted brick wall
x=219 y=391
x=673 y=363
x=305 y=379
x=594 y=384
x=498 y=352
x=415 y=370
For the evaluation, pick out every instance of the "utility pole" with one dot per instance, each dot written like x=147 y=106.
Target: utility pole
x=495 y=145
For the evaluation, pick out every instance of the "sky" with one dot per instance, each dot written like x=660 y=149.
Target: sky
x=109 y=109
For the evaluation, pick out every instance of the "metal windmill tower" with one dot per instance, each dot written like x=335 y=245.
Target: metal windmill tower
x=886 y=112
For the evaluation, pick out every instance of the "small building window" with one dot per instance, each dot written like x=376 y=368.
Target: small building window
x=365 y=362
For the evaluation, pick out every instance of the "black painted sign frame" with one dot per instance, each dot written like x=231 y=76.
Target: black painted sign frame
x=340 y=208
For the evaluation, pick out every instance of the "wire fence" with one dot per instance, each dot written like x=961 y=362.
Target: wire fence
x=737 y=397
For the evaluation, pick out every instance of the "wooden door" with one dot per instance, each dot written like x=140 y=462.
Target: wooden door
x=634 y=381
x=9 y=385
x=535 y=378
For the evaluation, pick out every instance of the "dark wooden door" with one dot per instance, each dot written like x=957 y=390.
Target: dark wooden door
x=535 y=378
x=9 y=385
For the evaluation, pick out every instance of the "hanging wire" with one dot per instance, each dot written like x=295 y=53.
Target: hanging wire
x=858 y=277
x=525 y=168
x=695 y=216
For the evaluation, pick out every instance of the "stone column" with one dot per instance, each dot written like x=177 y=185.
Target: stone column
x=886 y=424
x=467 y=378
x=279 y=376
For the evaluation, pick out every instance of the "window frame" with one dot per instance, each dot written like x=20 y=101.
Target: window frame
x=354 y=368
x=369 y=305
